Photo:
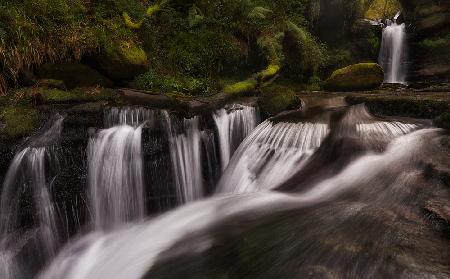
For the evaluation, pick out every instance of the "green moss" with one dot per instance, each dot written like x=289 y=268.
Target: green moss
x=363 y=76
x=19 y=120
x=245 y=86
x=436 y=43
x=276 y=99
x=123 y=60
x=167 y=84
x=56 y=96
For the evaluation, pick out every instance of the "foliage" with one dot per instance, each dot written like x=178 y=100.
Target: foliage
x=381 y=9
x=436 y=43
x=194 y=86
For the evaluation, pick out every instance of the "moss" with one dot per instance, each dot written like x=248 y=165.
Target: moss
x=381 y=9
x=276 y=99
x=123 y=60
x=435 y=43
x=241 y=87
x=363 y=76
x=167 y=84
x=19 y=120
x=80 y=95
x=130 y=23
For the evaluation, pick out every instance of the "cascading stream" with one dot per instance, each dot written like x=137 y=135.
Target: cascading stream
x=185 y=152
x=140 y=246
x=116 y=186
x=270 y=155
x=393 y=52
x=233 y=124
x=28 y=175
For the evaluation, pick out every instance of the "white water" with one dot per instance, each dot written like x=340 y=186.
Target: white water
x=185 y=153
x=27 y=174
x=132 y=116
x=131 y=253
x=393 y=53
x=233 y=125
x=115 y=178
x=271 y=155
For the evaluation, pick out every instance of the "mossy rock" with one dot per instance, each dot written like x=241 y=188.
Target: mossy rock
x=276 y=99
x=73 y=75
x=357 y=77
x=79 y=95
x=18 y=121
x=123 y=61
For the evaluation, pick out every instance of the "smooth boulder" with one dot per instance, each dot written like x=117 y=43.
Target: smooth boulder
x=122 y=61
x=357 y=77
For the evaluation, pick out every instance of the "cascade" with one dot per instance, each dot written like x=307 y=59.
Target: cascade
x=392 y=55
x=137 y=249
x=185 y=152
x=233 y=124
x=30 y=173
x=270 y=155
x=115 y=178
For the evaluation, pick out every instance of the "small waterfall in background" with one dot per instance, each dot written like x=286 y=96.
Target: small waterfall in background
x=30 y=177
x=185 y=152
x=393 y=50
x=233 y=124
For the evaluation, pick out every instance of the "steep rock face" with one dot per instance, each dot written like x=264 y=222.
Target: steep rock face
x=429 y=23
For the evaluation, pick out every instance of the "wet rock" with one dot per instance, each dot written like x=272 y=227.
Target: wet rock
x=363 y=76
x=73 y=75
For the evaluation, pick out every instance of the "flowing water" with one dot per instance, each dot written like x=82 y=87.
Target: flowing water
x=329 y=190
x=393 y=56
x=233 y=124
x=28 y=176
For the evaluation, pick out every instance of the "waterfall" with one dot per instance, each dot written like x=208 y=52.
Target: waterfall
x=393 y=52
x=270 y=155
x=116 y=187
x=185 y=153
x=30 y=175
x=233 y=124
x=115 y=170
x=132 y=252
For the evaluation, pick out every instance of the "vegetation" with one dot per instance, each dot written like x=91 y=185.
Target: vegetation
x=180 y=44
x=379 y=9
